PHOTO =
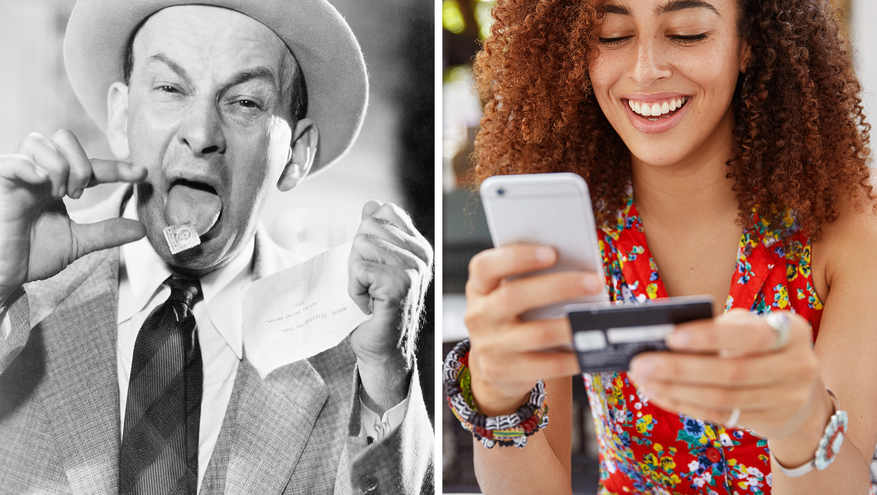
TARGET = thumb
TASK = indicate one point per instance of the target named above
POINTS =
(361, 276)
(106, 234)
(369, 209)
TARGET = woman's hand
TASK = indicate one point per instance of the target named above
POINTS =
(504, 358)
(732, 362)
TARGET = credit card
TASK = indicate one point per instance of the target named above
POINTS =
(607, 336)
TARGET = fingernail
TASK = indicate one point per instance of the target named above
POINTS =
(645, 391)
(544, 254)
(680, 338)
(76, 194)
(62, 191)
(591, 283)
(40, 172)
(642, 367)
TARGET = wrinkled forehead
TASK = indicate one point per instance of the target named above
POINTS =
(213, 38)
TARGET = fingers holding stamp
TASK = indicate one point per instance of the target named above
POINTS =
(79, 166)
(45, 156)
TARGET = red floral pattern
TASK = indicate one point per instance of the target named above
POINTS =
(646, 450)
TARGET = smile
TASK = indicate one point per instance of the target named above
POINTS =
(659, 109)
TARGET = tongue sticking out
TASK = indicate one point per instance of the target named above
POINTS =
(191, 212)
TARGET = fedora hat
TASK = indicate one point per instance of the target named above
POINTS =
(319, 38)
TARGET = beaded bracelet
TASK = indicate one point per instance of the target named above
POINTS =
(506, 430)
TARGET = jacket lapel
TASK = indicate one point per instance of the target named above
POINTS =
(273, 418)
(75, 315)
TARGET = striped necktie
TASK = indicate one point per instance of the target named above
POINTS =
(159, 453)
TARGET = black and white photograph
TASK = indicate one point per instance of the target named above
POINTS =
(216, 246)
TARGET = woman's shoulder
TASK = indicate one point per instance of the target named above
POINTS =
(849, 243)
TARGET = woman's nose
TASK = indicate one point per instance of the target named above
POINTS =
(650, 62)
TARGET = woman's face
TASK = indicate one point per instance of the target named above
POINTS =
(665, 75)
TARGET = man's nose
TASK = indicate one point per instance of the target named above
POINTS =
(202, 130)
(651, 62)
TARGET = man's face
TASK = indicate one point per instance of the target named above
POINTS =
(208, 116)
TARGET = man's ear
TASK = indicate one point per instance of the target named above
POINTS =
(117, 120)
(302, 151)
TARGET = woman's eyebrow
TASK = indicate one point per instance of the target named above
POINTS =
(611, 8)
(677, 5)
(672, 6)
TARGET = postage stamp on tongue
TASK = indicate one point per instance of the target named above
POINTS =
(180, 238)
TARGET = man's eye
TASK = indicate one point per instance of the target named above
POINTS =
(165, 88)
(248, 104)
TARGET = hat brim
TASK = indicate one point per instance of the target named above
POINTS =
(318, 36)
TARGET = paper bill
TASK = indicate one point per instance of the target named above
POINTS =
(299, 312)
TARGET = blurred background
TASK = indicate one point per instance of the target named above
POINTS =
(464, 24)
(392, 161)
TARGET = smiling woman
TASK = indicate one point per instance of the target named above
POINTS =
(723, 141)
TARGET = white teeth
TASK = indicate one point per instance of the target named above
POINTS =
(657, 109)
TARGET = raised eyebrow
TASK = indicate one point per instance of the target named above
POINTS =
(677, 5)
(262, 73)
(161, 57)
(255, 73)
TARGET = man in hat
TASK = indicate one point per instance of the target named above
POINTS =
(122, 368)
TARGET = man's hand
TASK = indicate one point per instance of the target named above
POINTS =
(390, 268)
(37, 237)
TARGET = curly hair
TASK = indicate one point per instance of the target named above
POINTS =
(800, 138)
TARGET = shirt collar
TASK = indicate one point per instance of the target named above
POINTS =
(221, 288)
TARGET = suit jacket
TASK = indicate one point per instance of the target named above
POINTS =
(296, 431)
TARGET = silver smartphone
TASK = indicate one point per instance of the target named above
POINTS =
(552, 209)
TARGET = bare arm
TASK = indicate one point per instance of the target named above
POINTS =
(543, 466)
(845, 269)
(505, 363)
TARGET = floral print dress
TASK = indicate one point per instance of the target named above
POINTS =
(646, 450)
